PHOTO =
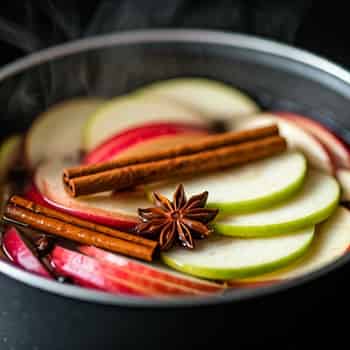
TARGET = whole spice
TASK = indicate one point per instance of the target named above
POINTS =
(177, 221)
(52, 222)
(210, 154)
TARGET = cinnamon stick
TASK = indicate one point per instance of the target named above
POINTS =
(204, 144)
(77, 234)
(142, 173)
(39, 209)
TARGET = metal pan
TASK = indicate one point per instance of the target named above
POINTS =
(39, 314)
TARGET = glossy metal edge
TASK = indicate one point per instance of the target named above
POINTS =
(170, 35)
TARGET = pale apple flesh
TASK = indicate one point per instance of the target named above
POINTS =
(211, 98)
(117, 210)
(126, 112)
(315, 202)
(57, 132)
(20, 254)
(336, 146)
(343, 176)
(223, 258)
(246, 188)
(316, 153)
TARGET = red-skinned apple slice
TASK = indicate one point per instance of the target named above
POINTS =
(128, 111)
(149, 137)
(332, 240)
(116, 210)
(335, 145)
(316, 153)
(154, 272)
(57, 132)
(86, 270)
(20, 254)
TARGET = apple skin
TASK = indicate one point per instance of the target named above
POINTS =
(336, 146)
(319, 196)
(21, 255)
(52, 192)
(297, 138)
(36, 196)
(230, 272)
(331, 242)
(122, 141)
(104, 275)
(188, 285)
(128, 111)
(234, 205)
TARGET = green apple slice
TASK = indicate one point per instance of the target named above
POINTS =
(129, 111)
(9, 150)
(57, 133)
(314, 203)
(332, 240)
(211, 98)
(250, 187)
(225, 258)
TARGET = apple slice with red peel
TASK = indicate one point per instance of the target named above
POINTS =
(143, 139)
(57, 132)
(129, 111)
(88, 272)
(335, 145)
(332, 240)
(107, 208)
(104, 275)
(297, 138)
(20, 254)
(154, 272)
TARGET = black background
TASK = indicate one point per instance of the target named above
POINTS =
(321, 27)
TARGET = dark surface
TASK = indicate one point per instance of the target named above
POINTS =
(296, 319)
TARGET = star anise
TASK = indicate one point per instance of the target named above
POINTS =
(180, 221)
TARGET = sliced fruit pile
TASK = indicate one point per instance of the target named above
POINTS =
(279, 218)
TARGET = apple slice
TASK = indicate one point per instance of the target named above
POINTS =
(315, 152)
(343, 176)
(313, 204)
(57, 132)
(104, 275)
(19, 252)
(250, 187)
(212, 99)
(154, 272)
(141, 139)
(332, 240)
(129, 111)
(117, 210)
(9, 150)
(224, 258)
(335, 145)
